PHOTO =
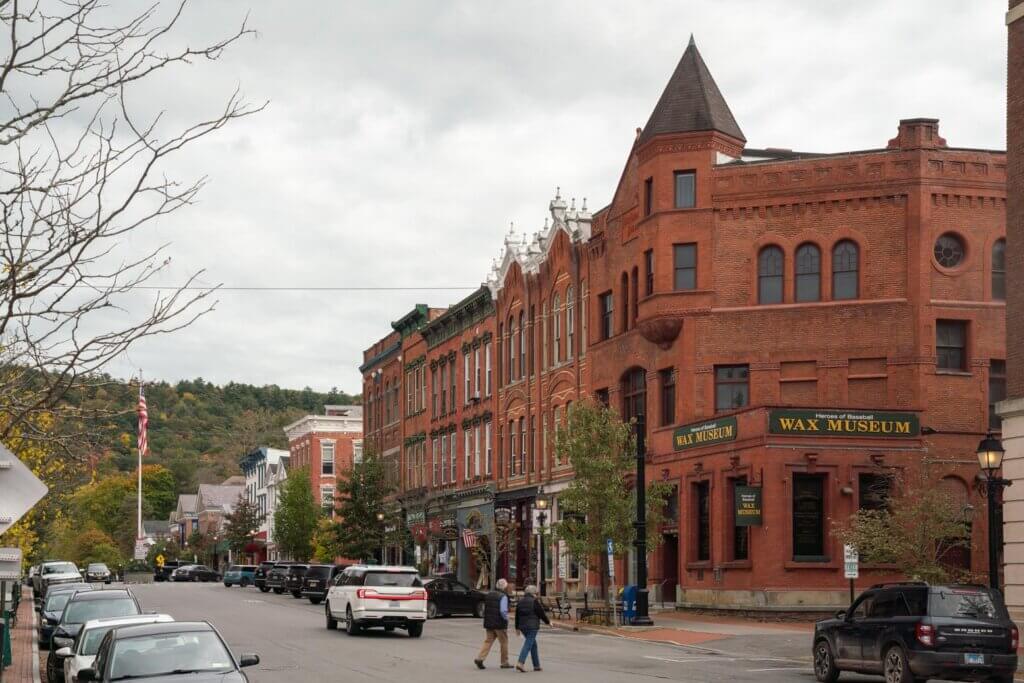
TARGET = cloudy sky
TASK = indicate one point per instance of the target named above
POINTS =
(402, 138)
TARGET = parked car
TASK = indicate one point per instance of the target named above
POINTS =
(447, 597)
(239, 574)
(59, 588)
(911, 631)
(378, 595)
(82, 653)
(55, 572)
(259, 578)
(293, 579)
(83, 606)
(164, 573)
(318, 579)
(277, 576)
(164, 651)
(194, 572)
(97, 571)
(53, 607)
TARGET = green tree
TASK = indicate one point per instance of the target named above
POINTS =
(599, 504)
(242, 524)
(296, 517)
(366, 515)
(326, 544)
(917, 531)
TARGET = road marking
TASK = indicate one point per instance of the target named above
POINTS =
(255, 602)
(780, 668)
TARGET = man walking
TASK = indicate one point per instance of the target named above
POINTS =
(496, 624)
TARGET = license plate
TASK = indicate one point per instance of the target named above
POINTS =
(971, 658)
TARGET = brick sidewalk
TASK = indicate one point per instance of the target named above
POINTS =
(22, 643)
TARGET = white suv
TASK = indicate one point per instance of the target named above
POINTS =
(377, 595)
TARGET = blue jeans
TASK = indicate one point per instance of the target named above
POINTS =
(530, 646)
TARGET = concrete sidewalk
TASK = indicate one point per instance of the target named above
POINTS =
(24, 660)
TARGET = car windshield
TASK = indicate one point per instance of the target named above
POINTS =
(60, 568)
(83, 610)
(400, 579)
(234, 568)
(169, 653)
(55, 603)
(964, 602)
(97, 567)
(91, 639)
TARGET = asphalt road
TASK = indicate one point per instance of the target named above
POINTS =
(294, 645)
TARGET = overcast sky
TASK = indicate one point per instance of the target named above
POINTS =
(401, 138)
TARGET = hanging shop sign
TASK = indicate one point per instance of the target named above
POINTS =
(502, 517)
(844, 423)
(449, 528)
(704, 433)
(748, 505)
(414, 518)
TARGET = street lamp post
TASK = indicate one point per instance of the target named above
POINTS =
(380, 519)
(542, 517)
(642, 617)
(990, 459)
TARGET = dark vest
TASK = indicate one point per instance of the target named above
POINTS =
(492, 611)
(526, 614)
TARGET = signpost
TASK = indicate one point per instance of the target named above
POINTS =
(748, 505)
(10, 570)
(851, 566)
(140, 549)
(611, 574)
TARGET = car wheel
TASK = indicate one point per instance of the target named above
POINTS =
(296, 594)
(52, 672)
(264, 589)
(416, 629)
(278, 591)
(478, 611)
(351, 627)
(431, 610)
(332, 623)
(315, 601)
(895, 666)
(195, 579)
(227, 585)
(824, 664)
(244, 583)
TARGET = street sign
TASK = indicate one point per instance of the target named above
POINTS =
(611, 561)
(20, 490)
(140, 549)
(10, 564)
(851, 562)
(159, 560)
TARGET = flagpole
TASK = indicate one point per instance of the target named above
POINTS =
(139, 501)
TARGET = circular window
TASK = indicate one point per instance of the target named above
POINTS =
(949, 250)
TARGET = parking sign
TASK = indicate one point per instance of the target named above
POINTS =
(851, 562)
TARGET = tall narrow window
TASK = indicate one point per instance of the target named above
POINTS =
(668, 396)
(533, 339)
(512, 353)
(466, 455)
(453, 458)
(732, 387)
(648, 272)
(454, 383)
(512, 448)
(996, 391)
(951, 344)
(467, 376)
(532, 453)
(740, 534)
(544, 337)
(476, 450)
(808, 517)
(845, 266)
(686, 186)
(522, 344)
(770, 267)
(702, 517)
(556, 312)
(423, 387)
(487, 448)
(476, 372)
(684, 265)
(545, 446)
(999, 270)
(487, 366)
(410, 392)
(648, 196)
(584, 303)
(433, 392)
(808, 273)
(444, 388)
(327, 458)
(523, 440)
(624, 294)
(606, 308)
(444, 459)
(557, 424)
(435, 461)
(634, 290)
(570, 324)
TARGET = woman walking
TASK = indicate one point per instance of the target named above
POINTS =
(529, 614)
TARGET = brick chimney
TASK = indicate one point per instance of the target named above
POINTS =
(918, 134)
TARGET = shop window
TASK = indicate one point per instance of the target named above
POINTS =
(684, 265)
(999, 270)
(607, 311)
(702, 518)
(685, 189)
(809, 518)
(873, 491)
(649, 272)
(668, 396)
(808, 273)
(740, 534)
(732, 387)
(951, 344)
(770, 269)
(996, 392)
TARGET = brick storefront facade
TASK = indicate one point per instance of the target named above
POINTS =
(808, 324)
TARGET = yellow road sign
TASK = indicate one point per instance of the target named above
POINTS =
(159, 560)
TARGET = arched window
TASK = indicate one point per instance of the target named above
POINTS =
(544, 336)
(584, 303)
(999, 270)
(522, 344)
(556, 310)
(634, 403)
(808, 273)
(387, 402)
(570, 324)
(770, 267)
(511, 349)
(845, 267)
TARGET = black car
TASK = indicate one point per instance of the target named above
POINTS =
(52, 608)
(82, 607)
(447, 596)
(194, 572)
(97, 571)
(260, 577)
(163, 573)
(318, 579)
(293, 579)
(178, 650)
(911, 631)
(277, 576)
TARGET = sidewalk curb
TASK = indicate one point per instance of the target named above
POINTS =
(36, 677)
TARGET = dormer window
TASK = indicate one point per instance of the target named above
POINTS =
(686, 189)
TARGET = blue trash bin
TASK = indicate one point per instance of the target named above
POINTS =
(628, 604)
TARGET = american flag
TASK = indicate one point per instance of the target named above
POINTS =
(143, 423)
(468, 538)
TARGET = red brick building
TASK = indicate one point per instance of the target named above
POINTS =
(326, 445)
(801, 325)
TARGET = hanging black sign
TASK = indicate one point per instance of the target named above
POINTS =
(748, 505)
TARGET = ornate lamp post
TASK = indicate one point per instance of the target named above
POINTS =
(642, 617)
(542, 517)
(990, 459)
(380, 520)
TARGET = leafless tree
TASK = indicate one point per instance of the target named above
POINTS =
(80, 172)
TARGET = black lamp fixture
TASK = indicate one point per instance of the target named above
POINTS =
(383, 552)
(542, 517)
(990, 460)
